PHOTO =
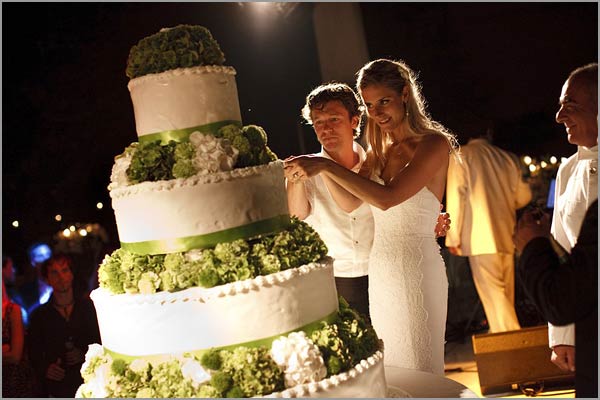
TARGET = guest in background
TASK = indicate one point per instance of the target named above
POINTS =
(61, 330)
(483, 194)
(10, 281)
(576, 182)
(335, 112)
(34, 291)
(565, 293)
(17, 376)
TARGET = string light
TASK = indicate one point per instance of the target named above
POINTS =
(99, 205)
(553, 160)
(543, 164)
(532, 167)
(58, 217)
(527, 160)
(83, 232)
(15, 223)
(66, 233)
(72, 228)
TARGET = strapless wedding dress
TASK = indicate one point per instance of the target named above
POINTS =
(408, 287)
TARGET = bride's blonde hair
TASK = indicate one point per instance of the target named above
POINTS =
(396, 75)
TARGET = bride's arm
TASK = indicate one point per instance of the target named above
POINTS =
(431, 155)
(344, 199)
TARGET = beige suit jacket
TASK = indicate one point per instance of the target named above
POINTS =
(482, 196)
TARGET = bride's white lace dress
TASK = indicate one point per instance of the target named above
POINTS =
(408, 288)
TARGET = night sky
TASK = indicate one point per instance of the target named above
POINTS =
(67, 112)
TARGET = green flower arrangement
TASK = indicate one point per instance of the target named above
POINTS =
(153, 161)
(346, 341)
(182, 46)
(127, 272)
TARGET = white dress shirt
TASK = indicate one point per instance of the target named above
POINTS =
(576, 189)
(348, 236)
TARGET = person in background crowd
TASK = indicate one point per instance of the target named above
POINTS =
(10, 281)
(565, 293)
(483, 194)
(576, 182)
(334, 111)
(61, 330)
(17, 376)
(34, 291)
(403, 179)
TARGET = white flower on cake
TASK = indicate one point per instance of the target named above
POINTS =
(148, 283)
(94, 350)
(300, 359)
(212, 154)
(97, 379)
(139, 365)
(193, 255)
(118, 176)
(191, 369)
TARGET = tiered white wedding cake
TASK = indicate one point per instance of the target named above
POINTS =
(215, 291)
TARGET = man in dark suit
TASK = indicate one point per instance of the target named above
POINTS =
(565, 286)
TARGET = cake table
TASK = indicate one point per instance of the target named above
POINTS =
(403, 382)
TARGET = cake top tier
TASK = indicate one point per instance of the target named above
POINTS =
(182, 46)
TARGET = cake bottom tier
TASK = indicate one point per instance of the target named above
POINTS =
(366, 379)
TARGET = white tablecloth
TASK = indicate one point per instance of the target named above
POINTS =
(404, 382)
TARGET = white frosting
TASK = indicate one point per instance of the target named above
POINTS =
(198, 318)
(184, 98)
(199, 205)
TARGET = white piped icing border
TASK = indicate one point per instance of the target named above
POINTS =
(313, 389)
(158, 186)
(203, 69)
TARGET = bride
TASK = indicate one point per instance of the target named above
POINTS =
(403, 179)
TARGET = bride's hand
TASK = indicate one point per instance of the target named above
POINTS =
(303, 167)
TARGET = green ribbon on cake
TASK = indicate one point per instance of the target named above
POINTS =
(182, 135)
(308, 329)
(187, 243)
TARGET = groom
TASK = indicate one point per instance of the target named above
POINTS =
(335, 113)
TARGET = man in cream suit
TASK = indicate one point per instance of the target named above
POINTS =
(482, 195)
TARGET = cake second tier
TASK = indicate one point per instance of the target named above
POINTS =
(201, 211)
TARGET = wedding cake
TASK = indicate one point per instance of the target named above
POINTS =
(216, 291)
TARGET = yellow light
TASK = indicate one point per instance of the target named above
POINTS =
(83, 232)
(543, 164)
(532, 168)
(58, 217)
(553, 160)
(72, 228)
(15, 223)
(66, 233)
(527, 160)
(99, 205)
(88, 228)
